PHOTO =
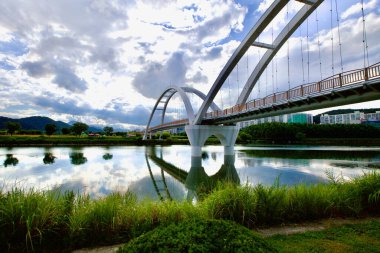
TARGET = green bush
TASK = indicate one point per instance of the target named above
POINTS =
(199, 236)
(294, 131)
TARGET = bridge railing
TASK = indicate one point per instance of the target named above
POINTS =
(373, 71)
(169, 124)
(328, 84)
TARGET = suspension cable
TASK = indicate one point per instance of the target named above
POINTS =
(272, 62)
(221, 98)
(288, 47)
(302, 61)
(340, 44)
(229, 89)
(237, 79)
(365, 45)
(247, 57)
(266, 81)
(332, 37)
(259, 81)
(276, 61)
(319, 45)
(308, 50)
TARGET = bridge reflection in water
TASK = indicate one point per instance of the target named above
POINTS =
(196, 180)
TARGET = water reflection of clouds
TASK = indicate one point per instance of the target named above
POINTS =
(144, 188)
(128, 169)
(267, 175)
(97, 177)
(308, 167)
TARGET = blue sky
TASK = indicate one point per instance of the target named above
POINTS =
(106, 62)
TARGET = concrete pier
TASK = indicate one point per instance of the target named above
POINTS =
(198, 134)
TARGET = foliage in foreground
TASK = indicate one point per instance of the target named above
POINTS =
(262, 206)
(199, 236)
(294, 131)
(41, 221)
(348, 238)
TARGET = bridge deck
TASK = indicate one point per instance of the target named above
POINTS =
(345, 88)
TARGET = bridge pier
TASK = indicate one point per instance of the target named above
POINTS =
(198, 134)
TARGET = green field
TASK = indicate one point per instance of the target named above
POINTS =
(362, 237)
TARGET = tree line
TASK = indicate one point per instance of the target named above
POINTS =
(294, 131)
(77, 129)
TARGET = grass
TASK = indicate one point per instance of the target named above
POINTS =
(261, 206)
(43, 140)
(66, 140)
(44, 221)
(199, 236)
(363, 237)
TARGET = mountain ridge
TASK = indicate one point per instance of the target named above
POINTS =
(39, 122)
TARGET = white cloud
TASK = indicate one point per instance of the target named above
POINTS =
(357, 8)
(97, 57)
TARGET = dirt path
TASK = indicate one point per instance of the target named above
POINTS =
(289, 229)
(107, 249)
(267, 232)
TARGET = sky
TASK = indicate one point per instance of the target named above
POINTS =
(105, 62)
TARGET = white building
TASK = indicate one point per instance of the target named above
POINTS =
(286, 118)
(356, 117)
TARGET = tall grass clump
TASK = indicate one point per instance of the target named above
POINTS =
(101, 220)
(29, 219)
(46, 221)
(265, 205)
(119, 217)
(367, 189)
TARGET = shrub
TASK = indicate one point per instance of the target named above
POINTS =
(199, 236)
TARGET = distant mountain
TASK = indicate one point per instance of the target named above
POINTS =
(316, 118)
(38, 123)
(33, 123)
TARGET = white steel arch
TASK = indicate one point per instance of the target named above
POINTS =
(250, 40)
(168, 94)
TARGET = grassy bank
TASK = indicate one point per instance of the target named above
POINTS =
(363, 237)
(70, 140)
(51, 221)
(320, 142)
(62, 140)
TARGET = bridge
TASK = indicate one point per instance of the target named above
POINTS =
(196, 180)
(347, 87)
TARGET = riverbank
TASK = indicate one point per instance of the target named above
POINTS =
(342, 235)
(322, 142)
(59, 140)
(48, 221)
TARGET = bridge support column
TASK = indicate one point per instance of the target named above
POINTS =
(198, 134)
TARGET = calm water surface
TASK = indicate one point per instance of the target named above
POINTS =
(101, 170)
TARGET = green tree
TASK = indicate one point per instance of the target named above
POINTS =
(12, 127)
(10, 160)
(65, 130)
(50, 129)
(165, 135)
(48, 158)
(108, 130)
(77, 158)
(79, 127)
(244, 137)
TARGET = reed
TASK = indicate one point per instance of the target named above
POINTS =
(40, 221)
(259, 205)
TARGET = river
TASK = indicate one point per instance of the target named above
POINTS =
(149, 173)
